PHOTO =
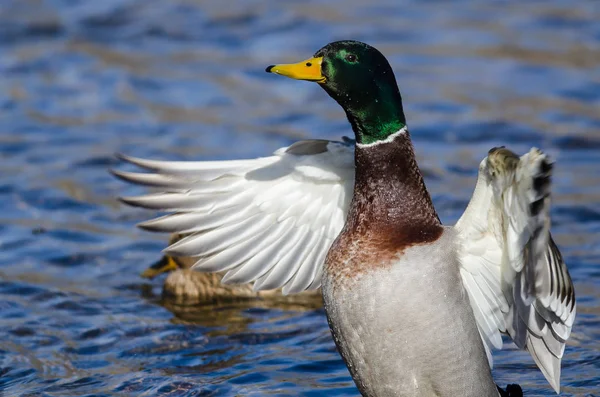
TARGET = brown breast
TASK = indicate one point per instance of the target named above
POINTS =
(391, 210)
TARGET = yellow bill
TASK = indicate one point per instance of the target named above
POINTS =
(309, 70)
(164, 265)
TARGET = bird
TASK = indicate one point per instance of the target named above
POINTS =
(186, 287)
(414, 307)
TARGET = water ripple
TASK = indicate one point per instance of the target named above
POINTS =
(184, 80)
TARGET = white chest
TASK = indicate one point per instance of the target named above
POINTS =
(408, 329)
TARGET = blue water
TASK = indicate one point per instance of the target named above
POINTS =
(183, 79)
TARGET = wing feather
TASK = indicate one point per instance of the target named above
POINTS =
(269, 220)
(234, 255)
(289, 263)
(512, 270)
(213, 241)
(264, 261)
(302, 279)
(205, 170)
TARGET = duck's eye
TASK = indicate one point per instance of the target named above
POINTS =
(351, 58)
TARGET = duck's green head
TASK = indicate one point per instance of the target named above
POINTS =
(361, 80)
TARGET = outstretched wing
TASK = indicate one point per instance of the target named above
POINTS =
(269, 220)
(511, 268)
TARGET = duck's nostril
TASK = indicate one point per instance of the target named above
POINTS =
(308, 64)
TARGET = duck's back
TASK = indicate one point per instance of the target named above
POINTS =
(404, 325)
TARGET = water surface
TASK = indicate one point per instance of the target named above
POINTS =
(184, 79)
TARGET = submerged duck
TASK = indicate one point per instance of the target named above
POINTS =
(414, 307)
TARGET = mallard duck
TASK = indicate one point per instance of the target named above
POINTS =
(184, 286)
(414, 307)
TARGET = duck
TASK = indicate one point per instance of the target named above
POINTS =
(186, 287)
(415, 307)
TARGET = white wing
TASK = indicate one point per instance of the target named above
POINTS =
(270, 220)
(513, 272)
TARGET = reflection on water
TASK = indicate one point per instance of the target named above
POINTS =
(185, 79)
